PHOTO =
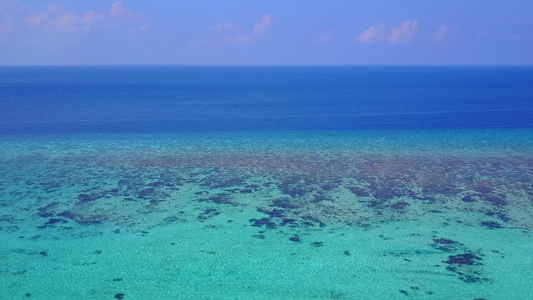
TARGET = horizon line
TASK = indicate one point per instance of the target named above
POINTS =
(266, 65)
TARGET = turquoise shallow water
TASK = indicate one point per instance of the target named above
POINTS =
(370, 214)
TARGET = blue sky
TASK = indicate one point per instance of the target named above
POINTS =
(275, 32)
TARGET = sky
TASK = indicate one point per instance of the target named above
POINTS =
(274, 32)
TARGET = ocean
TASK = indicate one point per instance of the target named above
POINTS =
(311, 182)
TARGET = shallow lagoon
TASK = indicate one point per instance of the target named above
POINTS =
(440, 214)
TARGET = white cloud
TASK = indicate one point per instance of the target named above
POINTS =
(263, 25)
(67, 22)
(405, 33)
(56, 18)
(379, 33)
(441, 32)
(11, 14)
(118, 9)
(91, 16)
(373, 34)
(54, 8)
(36, 20)
(231, 34)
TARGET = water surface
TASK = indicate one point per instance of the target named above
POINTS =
(266, 183)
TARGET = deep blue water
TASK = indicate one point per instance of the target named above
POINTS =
(164, 99)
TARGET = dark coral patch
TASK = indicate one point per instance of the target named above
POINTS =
(295, 186)
(468, 199)
(120, 296)
(468, 259)
(45, 211)
(146, 193)
(90, 220)
(45, 214)
(385, 193)
(358, 191)
(470, 278)
(463, 266)
(317, 244)
(310, 221)
(500, 215)
(67, 214)
(491, 225)
(218, 199)
(84, 198)
(400, 205)
(495, 200)
(207, 214)
(275, 213)
(295, 239)
(53, 221)
(290, 222)
(446, 245)
(444, 241)
(263, 221)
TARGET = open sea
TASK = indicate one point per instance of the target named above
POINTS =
(158, 182)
